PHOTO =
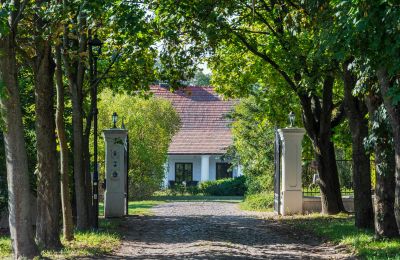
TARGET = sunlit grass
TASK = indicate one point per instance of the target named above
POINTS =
(137, 207)
(341, 230)
(5, 246)
(90, 243)
(86, 243)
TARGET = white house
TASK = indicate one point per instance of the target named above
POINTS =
(195, 153)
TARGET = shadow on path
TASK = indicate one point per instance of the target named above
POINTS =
(211, 230)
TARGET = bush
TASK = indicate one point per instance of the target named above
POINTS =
(142, 186)
(260, 201)
(224, 187)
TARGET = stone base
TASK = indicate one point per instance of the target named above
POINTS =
(292, 202)
(313, 204)
(114, 204)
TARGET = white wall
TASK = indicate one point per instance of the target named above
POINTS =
(196, 160)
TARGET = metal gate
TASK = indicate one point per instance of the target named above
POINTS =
(277, 172)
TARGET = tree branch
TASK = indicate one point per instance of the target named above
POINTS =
(266, 58)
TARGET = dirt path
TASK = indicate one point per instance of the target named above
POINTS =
(214, 230)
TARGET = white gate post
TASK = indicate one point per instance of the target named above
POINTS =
(292, 195)
(114, 196)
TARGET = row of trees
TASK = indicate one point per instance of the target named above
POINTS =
(47, 81)
(339, 59)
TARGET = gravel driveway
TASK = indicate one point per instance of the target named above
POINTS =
(215, 230)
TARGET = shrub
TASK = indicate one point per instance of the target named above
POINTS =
(224, 187)
(260, 201)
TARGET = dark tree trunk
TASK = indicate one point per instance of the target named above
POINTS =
(19, 197)
(48, 181)
(318, 122)
(394, 118)
(80, 190)
(68, 225)
(331, 197)
(385, 221)
(87, 174)
(356, 112)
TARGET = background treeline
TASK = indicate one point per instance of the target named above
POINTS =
(334, 62)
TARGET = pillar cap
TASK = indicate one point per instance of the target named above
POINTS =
(291, 131)
(115, 132)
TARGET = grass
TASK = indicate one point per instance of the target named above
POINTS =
(258, 202)
(341, 230)
(87, 243)
(5, 246)
(90, 243)
(136, 207)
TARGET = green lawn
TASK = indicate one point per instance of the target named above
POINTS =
(341, 230)
(137, 207)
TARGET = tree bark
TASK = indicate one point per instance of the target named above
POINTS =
(19, 197)
(318, 122)
(385, 221)
(68, 225)
(75, 70)
(48, 199)
(356, 112)
(394, 118)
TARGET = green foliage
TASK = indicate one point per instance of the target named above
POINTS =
(258, 202)
(200, 79)
(179, 188)
(341, 230)
(253, 135)
(151, 123)
(5, 246)
(224, 187)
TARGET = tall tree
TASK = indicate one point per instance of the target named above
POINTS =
(68, 225)
(356, 112)
(370, 29)
(19, 202)
(381, 141)
(48, 182)
(75, 70)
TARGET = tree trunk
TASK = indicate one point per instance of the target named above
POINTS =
(394, 118)
(80, 191)
(48, 199)
(75, 70)
(19, 197)
(356, 110)
(331, 197)
(318, 122)
(385, 221)
(68, 225)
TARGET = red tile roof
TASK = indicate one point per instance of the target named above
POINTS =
(204, 126)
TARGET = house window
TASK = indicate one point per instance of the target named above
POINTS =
(223, 171)
(183, 172)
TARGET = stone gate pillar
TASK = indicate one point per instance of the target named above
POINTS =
(292, 195)
(115, 196)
